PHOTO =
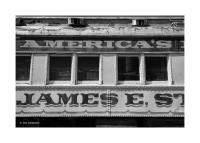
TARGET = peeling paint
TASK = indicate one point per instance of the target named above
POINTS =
(117, 30)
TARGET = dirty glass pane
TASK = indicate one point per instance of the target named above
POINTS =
(60, 68)
(88, 68)
(23, 64)
(128, 68)
(156, 68)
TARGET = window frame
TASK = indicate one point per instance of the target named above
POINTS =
(88, 82)
(30, 72)
(128, 81)
(66, 82)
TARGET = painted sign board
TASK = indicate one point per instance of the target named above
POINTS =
(96, 102)
(101, 45)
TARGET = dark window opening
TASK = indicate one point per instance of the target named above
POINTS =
(142, 22)
(88, 68)
(78, 22)
(20, 22)
(46, 21)
(156, 68)
(60, 68)
(23, 64)
(128, 68)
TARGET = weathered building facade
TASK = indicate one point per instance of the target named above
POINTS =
(123, 68)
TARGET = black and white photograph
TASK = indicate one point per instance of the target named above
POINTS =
(100, 71)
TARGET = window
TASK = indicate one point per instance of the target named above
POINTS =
(156, 68)
(23, 64)
(144, 69)
(88, 68)
(60, 68)
(128, 68)
(139, 22)
(77, 22)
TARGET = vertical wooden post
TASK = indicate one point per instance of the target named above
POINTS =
(142, 70)
(169, 70)
(100, 69)
(116, 69)
(31, 70)
(74, 69)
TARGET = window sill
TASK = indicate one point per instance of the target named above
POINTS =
(88, 82)
(129, 82)
(23, 82)
(59, 83)
(157, 82)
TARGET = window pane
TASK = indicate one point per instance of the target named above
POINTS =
(128, 68)
(60, 68)
(156, 68)
(88, 68)
(23, 67)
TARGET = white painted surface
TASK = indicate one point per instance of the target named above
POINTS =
(178, 69)
(109, 69)
(39, 69)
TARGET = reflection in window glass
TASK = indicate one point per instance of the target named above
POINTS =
(88, 68)
(156, 68)
(128, 68)
(60, 68)
(23, 68)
